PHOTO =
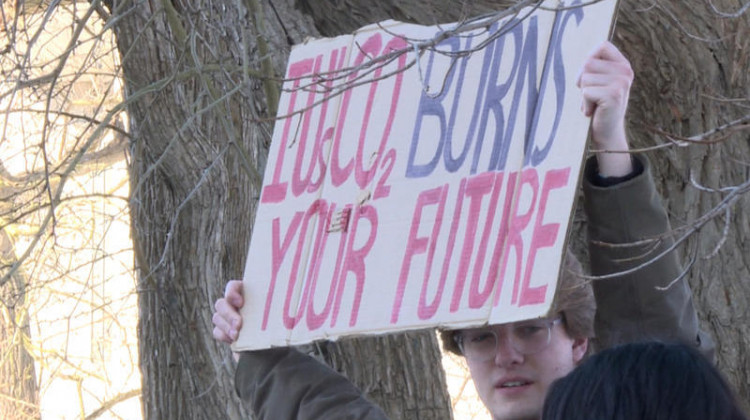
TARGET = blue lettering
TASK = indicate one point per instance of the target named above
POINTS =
(537, 156)
(452, 164)
(497, 92)
(429, 106)
(488, 111)
(525, 66)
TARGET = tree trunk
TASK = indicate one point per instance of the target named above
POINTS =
(19, 393)
(687, 58)
(196, 148)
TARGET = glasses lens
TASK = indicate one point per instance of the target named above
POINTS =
(526, 337)
(478, 344)
(532, 336)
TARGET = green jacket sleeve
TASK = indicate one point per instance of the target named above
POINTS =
(655, 301)
(284, 384)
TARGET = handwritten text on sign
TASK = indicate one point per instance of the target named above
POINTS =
(423, 194)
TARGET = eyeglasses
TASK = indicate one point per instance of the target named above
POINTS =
(527, 337)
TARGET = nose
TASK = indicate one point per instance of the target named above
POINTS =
(505, 354)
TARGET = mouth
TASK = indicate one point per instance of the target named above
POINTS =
(511, 384)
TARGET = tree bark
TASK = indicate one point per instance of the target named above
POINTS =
(686, 58)
(19, 392)
(196, 145)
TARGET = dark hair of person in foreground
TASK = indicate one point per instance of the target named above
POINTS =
(643, 381)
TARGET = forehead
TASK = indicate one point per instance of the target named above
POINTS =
(499, 327)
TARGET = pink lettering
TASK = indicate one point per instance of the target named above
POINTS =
(317, 159)
(417, 245)
(452, 237)
(364, 176)
(315, 320)
(502, 237)
(339, 174)
(383, 190)
(319, 208)
(275, 192)
(478, 298)
(518, 223)
(277, 255)
(544, 236)
(424, 310)
(355, 261)
(298, 184)
(477, 188)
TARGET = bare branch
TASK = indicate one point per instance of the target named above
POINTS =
(735, 193)
(110, 403)
(733, 15)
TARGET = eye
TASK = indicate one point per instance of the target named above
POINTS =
(528, 330)
(480, 337)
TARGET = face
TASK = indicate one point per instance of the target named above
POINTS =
(513, 385)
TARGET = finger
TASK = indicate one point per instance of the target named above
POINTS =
(599, 66)
(219, 335)
(233, 293)
(236, 300)
(594, 79)
(619, 84)
(588, 107)
(606, 95)
(233, 287)
(221, 323)
(223, 326)
(607, 51)
(606, 59)
(229, 312)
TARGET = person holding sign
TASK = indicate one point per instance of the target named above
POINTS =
(514, 364)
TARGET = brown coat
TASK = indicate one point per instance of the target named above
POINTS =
(653, 302)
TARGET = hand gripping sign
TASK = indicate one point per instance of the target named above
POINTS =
(421, 176)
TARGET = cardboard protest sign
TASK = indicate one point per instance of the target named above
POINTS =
(415, 183)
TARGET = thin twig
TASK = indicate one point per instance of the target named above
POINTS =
(736, 14)
(729, 200)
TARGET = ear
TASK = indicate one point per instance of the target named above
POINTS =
(580, 346)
